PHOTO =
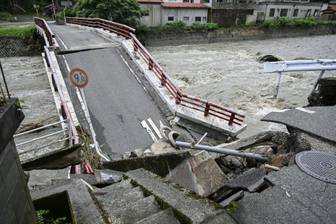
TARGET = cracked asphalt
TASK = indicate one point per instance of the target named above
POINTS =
(116, 101)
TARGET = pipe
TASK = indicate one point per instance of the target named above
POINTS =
(38, 129)
(222, 151)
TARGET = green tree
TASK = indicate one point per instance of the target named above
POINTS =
(123, 11)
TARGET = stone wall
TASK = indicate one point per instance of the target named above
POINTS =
(201, 37)
(14, 47)
(16, 203)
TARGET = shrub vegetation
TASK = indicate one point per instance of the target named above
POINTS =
(285, 22)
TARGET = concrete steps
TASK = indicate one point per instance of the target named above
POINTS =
(123, 203)
(81, 204)
(141, 198)
(133, 212)
(163, 217)
(114, 202)
(189, 207)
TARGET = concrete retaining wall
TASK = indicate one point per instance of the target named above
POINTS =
(16, 203)
(201, 37)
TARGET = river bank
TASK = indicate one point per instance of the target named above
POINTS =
(232, 34)
(19, 40)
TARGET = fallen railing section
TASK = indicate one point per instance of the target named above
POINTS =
(196, 104)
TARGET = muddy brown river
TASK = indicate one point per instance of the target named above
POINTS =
(229, 73)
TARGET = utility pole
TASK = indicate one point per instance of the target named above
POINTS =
(54, 8)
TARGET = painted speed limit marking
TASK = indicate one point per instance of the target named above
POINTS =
(78, 77)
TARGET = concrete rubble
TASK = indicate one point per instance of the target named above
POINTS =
(200, 173)
(165, 184)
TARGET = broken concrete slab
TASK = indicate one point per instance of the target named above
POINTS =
(162, 147)
(38, 178)
(234, 197)
(267, 137)
(289, 200)
(57, 159)
(318, 121)
(250, 180)
(106, 177)
(89, 178)
(159, 164)
(200, 174)
(317, 143)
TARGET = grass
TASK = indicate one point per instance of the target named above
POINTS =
(44, 217)
(21, 32)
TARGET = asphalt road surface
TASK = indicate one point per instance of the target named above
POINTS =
(116, 101)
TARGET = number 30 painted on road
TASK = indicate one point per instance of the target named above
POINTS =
(78, 77)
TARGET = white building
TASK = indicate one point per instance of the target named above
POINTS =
(271, 9)
(161, 12)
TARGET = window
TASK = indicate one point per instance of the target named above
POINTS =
(316, 12)
(171, 19)
(198, 19)
(186, 19)
(308, 13)
(271, 12)
(204, 19)
(283, 12)
(145, 12)
(296, 12)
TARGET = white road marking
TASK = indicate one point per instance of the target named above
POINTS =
(62, 42)
(136, 77)
(305, 110)
(66, 63)
(156, 130)
(149, 131)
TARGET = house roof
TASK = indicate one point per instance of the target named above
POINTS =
(331, 9)
(183, 5)
(150, 1)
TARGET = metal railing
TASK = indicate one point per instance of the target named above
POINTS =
(181, 98)
(51, 40)
(114, 27)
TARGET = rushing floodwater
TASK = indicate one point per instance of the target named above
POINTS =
(229, 73)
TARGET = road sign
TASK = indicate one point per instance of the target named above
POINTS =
(78, 77)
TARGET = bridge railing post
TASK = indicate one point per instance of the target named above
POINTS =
(232, 117)
(150, 64)
(178, 98)
(163, 79)
(207, 109)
